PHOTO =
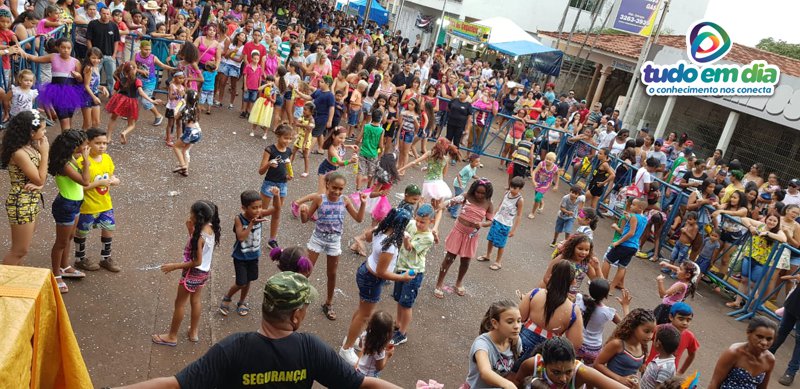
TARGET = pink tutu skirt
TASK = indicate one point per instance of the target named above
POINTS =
(462, 241)
(436, 190)
(377, 207)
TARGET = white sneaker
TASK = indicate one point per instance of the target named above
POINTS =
(349, 355)
(264, 137)
(252, 134)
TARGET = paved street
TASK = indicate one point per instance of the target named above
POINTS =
(114, 315)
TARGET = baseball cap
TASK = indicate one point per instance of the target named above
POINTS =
(611, 123)
(660, 141)
(688, 143)
(286, 291)
(795, 182)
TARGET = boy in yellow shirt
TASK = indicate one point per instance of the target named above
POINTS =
(97, 210)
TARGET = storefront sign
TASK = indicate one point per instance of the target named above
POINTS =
(706, 43)
(469, 31)
(636, 16)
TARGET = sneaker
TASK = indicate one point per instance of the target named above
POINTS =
(655, 259)
(273, 243)
(158, 121)
(642, 255)
(109, 265)
(349, 355)
(264, 137)
(243, 115)
(217, 104)
(398, 338)
(230, 106)
(87, 264)
(252, 133)
(553, 244)
(786, 379)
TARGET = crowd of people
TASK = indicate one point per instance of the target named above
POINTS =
(314, 81)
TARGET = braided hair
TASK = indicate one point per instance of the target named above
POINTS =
(62, 149)
(396, 220)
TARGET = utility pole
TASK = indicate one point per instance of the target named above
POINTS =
(591, 48)
(397, 16)
(628, 104)
(439, 29)
(561, 24)
(367, 9)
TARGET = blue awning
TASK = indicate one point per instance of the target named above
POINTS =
(377, 13)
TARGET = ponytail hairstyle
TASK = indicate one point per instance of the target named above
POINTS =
(387, 169)
(484, 182)
(591, 215)
(281, 80)
(204, 212)
(329, 140)
(693, 270)
(376, 82)
(598, 291)
(62, 149)
(556, 349)
(397, 220)
(493, 314)
(294, 259)
(561, 278)
(440, 148)
(126, 75)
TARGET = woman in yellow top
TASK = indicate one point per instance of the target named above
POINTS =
(24, 152)
(756, 253)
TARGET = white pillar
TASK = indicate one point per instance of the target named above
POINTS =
(727, 131)
(664, 119)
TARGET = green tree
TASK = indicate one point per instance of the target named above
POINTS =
(791, 50)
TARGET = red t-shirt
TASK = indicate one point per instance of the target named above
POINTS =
(249, 47)
(535, 114)
(584, 114)
(6, 36)
(688, 342)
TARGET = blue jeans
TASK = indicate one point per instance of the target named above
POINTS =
(108, 66)
(788, 322)
(453, 209)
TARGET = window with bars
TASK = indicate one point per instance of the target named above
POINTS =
(584, 5)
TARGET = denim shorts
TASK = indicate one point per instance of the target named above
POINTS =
(250, 95)
(326, 167)
(620, 256)
(105, 220)
(230, 70)
(498, 234)
(753, 270)
(328, 244)
(65, 211)
(187, 137)
(407, 136)
(206, 97)
(352, 117)
(148, 90)
(680, 253)
(369, 286)
(269, 184)
(405, 293)
(564, 224)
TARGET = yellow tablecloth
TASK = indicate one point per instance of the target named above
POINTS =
(37, 346)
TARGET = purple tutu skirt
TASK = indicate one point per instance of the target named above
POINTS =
(64, 95)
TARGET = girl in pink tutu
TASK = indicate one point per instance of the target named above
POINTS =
(434, 189)
(64, 94)
(463, 238)
(124, 102)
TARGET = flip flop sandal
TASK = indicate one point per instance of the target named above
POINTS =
(327, 309)
(495, 266)
(438, 293)
(161, 342)
(295, 210)
(75, 273)
(482, 258)
(224, 307)
(184, 172)
(461, 291)
(178, 169)
(193, 339)
(62, 286)
(242, 309)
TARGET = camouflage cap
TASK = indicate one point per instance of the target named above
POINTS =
(288, 290)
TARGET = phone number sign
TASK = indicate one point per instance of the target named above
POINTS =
(636, 16)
